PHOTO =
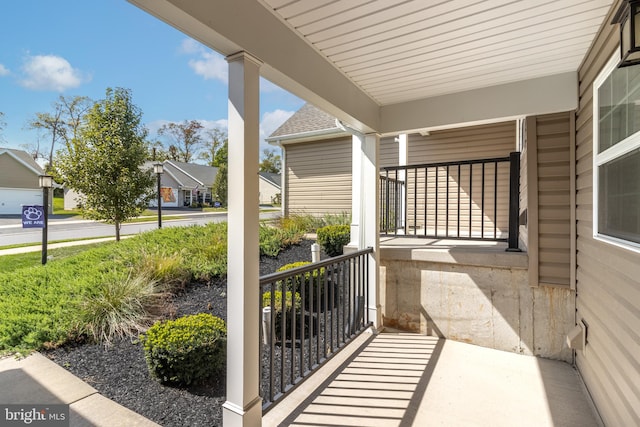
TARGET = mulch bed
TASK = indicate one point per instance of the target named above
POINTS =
(119, 371)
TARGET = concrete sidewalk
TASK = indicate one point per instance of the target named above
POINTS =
(39, 381)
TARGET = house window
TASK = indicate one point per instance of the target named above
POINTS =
(616, 160)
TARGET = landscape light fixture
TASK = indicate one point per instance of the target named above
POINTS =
(46, 182)
(158, 168)
(628, 16)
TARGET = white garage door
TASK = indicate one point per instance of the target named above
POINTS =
(12, 199)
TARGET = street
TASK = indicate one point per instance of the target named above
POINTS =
(12, 233)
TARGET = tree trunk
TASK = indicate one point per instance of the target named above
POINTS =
(117, 231)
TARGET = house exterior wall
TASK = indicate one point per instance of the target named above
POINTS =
(318, 175)
(268, 191)
(15, 174)
(608, 277)
(549, 202)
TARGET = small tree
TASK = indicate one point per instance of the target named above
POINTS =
(220, 185)
(104, 163)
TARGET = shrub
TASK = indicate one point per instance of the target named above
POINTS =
(274, 239)
(333, 238)
(311, 281)
(121, 307)
(277, 309)
(187, 350)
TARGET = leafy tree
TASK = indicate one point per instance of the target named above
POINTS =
(271, 161)
(62, 124)
(222, 155)
(214, 141)
(104, 162)
(186, 139)
(220, 187)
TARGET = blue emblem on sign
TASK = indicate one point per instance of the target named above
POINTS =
(32, 217)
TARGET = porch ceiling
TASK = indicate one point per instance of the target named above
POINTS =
(390, 65)
(398, 51)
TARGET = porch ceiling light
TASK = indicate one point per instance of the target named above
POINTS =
(628, 16)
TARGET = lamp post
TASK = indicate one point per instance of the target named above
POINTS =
(158, 168)
(46, 182)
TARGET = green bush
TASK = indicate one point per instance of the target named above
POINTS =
(333, 238)
(187, 350)
(274, 239)
(277, 300)
(277, 309)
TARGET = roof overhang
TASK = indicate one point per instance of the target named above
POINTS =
(390, 67)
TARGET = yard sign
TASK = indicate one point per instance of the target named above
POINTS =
(32, 216)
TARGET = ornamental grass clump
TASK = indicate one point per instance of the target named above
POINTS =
(121, 307)
(188, 350)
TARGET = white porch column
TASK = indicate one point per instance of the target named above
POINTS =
(356, 184)
(368, 214)
(243, 407)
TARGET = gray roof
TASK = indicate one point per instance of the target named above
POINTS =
(203, 174)
(25, 158)
(273, 178)
(307, 119)
(189, 175)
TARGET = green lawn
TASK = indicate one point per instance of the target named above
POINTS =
(47, 305)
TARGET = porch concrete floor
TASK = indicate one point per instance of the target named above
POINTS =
(402, 379)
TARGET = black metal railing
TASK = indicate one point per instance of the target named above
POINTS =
(468, 199)
(309, 314)
(392, 193)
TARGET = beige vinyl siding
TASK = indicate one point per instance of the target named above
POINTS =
(608, 277)
(550, 236)
(318, 177)
(464, 184)
(318, 174)
(389, 153)
(15, 174)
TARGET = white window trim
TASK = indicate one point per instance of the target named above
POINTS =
(631, 143)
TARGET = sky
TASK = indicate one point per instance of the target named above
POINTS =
(79, 47)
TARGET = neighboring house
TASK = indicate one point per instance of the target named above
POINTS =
(317, 165)
(270, 188)
(182, 184)
(19, 183)
(418, 72)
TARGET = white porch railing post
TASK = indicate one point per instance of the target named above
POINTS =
(243, 407)
(403, 160)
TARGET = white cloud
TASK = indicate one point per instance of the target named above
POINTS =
(4, 71)
(206, 124)
(190, 47)
(50, 72)
(204, 62)
(270, 122)
(211, 66)
(221, 124)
